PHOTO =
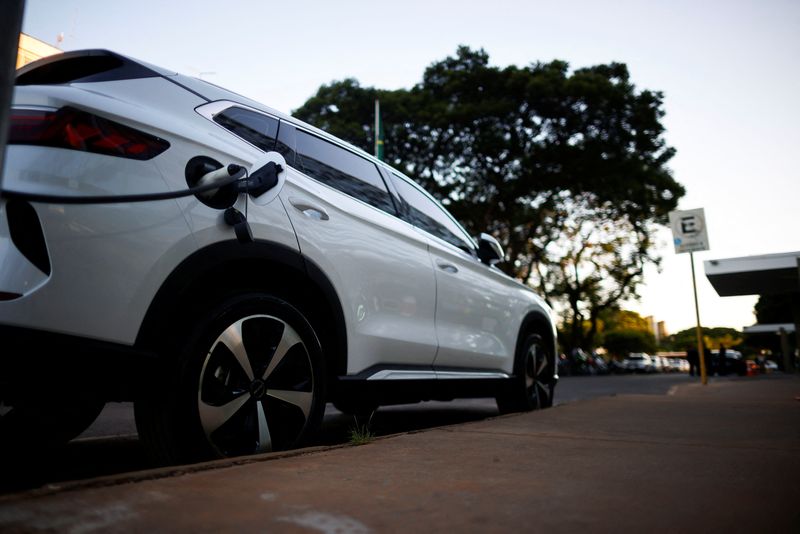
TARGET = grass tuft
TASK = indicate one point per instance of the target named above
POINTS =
(361, 434)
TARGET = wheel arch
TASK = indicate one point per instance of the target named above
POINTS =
(225, 268)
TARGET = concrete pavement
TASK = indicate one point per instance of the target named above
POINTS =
(721, 458)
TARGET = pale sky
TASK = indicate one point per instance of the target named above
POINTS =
(728, 70)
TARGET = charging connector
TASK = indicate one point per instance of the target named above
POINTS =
(215, 176)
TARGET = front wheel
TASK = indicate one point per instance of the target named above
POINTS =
(250, 380)
(532, 386)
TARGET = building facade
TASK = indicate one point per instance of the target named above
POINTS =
(30, 49)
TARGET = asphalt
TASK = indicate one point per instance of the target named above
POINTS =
(719, 458)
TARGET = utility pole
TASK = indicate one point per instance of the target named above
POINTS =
(10, 27)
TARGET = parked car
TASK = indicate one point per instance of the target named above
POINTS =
(751, 368)
(770, 366)
(229, 269)
(680, 365)
(639, 362)
(599, 365)
(617, 366)
(730, 364)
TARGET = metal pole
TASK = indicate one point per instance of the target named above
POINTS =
(377, 128)
(10, 26)
(700, 347)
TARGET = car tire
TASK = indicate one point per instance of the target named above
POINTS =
(35, 425)
(250, 379)
(532, 385)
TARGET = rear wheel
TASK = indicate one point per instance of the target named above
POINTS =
(250, 380)
(533, 385)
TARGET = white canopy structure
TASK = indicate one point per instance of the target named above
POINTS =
(768, 274)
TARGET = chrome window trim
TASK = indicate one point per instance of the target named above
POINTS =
(216, 107)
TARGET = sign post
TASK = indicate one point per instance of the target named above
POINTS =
(10, 24)
(689, 233)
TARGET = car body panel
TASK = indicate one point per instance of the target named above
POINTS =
(380, 268)
(478, 313)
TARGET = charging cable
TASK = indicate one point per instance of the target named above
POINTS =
(263, 179)
(205, 187)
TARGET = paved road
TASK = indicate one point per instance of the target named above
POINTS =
(117, 418)
(111, 445)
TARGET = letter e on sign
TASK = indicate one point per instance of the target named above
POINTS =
(689, 232)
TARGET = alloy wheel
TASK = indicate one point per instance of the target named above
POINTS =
(256, 387)
(537, 376)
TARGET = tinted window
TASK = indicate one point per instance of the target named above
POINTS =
(343, 170)
(253, 127)
(286, 142)
(424, 213)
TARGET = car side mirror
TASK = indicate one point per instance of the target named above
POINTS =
(489, 250)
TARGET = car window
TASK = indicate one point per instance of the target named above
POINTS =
(255, 128)
(423, 212)
(342, 170)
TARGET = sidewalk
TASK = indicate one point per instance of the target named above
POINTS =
(721, 458)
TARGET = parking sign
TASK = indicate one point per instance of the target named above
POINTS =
(689, 232)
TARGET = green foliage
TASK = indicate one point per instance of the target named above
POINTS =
(361, 434)
(775, 308)
(622, 342)
(712, 337)
(624, 331)
(568, 169)
(624, 320)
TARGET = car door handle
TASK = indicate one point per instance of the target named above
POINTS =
(447, 267)
(308, 209)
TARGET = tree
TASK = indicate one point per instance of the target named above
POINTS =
(712, 338)
(624, 331)
(622, 342)
(568, 169)
(775, 308)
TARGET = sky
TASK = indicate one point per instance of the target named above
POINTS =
(728, 70)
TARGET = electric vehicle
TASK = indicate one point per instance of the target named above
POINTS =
(231, 269)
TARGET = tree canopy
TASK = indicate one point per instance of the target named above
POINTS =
(567, 168)
(775, 308)
(712, 338)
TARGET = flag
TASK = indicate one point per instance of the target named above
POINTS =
(378, 131)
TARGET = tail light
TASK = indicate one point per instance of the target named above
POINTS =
(78, 130)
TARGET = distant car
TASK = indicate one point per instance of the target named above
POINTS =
(770, 366)
(683, 365)
(730, 364)
(657, 364)
(599, 365)
(616, 366)
(639, 362)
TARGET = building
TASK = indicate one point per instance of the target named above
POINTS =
(658, 328)
(661, 329)
(767, 274)
(30, 49)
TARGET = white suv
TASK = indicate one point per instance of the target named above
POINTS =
(230, 269)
